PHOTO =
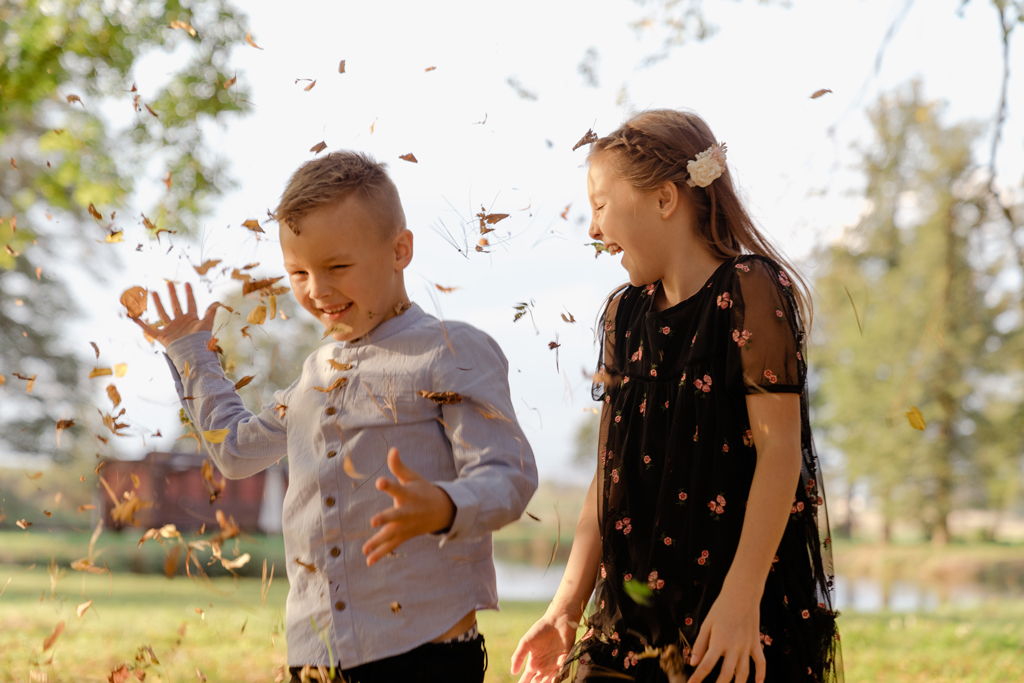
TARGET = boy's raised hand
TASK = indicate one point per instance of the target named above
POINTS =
(420, 507)
(183, 323)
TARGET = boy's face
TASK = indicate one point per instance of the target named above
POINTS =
(346, 266)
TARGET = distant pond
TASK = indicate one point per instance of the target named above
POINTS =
(518, 581)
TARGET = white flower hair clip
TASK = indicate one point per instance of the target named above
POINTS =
(707, 167)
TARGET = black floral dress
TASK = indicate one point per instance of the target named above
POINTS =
(676, 464)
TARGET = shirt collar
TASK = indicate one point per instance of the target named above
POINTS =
(389, 327)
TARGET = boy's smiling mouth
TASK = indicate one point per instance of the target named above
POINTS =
(333, 313)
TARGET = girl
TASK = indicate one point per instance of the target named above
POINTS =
(705, 528)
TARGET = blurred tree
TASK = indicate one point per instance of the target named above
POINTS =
(80, 138)
(917, 310)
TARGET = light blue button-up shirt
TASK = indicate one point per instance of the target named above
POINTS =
(474, 449)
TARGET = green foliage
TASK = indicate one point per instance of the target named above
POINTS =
(68, 76)
(912, 311)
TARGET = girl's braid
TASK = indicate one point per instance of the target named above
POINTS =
(639, 145)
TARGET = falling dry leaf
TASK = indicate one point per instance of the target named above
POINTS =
(350, 469)
(30, 381)
(336, 384)
(337, 328)
(212, 345)
(100, 372)
(184, 26)
(441, 398)
(95, 348)
(339, 366)
(568, 318)
(248, 39)
(258, 315)
(213, 486)
(916, 418)
(446, 290)
(23, 523)
(553, 345)
(396, 607)
(243, 382)
(94, 212)
(565, 212)
(206, 265)
(256, 285)
(271, 307)
(86, 506)
(52, 638)
(32, 476)
(61, 426)
(409, 157)
(239, 561)
(216, 435)
(252, 224)
(134, 299)
(113, 395)
(341, 66)
(120, 369)
(587, 138)
(311, 568)
(818, 93)
(74, 98)
(114, 237)
(230, 82)
(320, 146)
(83, 608)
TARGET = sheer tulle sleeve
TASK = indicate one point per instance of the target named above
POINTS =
(767, 332)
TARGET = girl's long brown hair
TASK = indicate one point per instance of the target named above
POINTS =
(654, 146)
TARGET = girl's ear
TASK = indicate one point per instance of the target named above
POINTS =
(668, 198)
(403, 249)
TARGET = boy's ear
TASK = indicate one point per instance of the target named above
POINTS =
(403, 249)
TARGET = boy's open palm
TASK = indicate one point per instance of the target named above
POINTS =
(183, 323)
(420, 507)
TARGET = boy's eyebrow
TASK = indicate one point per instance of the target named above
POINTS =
(336, 257)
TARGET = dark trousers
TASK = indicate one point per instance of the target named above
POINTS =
(429, 663)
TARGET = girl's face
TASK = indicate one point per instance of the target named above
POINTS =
(627, 221)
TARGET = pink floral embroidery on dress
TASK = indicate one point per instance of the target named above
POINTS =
(744, 267)
(638, 354)
(741, 338)
(643, 406)
(682, 496)
(703, 384)
(624, 526)
(724, 300)
(779, 313)
(748, 438)
(647, 460)
(668, 540)
(717, 505)
(783, 280)
(770, 376)
(666, 330)
(653, 582)
(650, 289)
(703, 559)
(615, 475)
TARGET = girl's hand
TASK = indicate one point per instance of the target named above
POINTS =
(731, 632)
(546, 645)
(182, 324)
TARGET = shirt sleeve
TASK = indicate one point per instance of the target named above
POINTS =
(253, 441)
(766, 333)
(496, 474)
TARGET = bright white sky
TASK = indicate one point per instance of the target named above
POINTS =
(791, 155)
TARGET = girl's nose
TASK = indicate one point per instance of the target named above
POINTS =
(595, 232)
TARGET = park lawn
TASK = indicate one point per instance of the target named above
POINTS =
(239, 637)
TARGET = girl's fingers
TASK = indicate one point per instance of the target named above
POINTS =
(707, 663)
(743, 670)
(759, 665)
(700, 646)
(728, 669)
(175, 304)
(191, 301)
(166, 319)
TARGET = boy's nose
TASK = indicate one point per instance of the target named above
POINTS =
(318, 287)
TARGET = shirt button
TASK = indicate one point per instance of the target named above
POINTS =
(331, 454)
(331, 410)
(335, 551)
(329, 501)
(340, 605)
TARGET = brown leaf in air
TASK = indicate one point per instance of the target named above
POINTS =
(565, 212)
(113, 395)
(184, 26)
(256, 285)
(120, 369)
(52, 638)
(83, 608)
(134, 299)
(339, 366)
(587, 138)
(396, 607)
(74, 98)
(248, 39)
(94, 212)
(818, 93)
(32, 476)
(61, 426)
(230, 82)
(341, 66)
(95, 348)
(409, 157)
(100, 372)
(206, 265)
(318, 147)
(446, 290)
(252, 224)
(553, 345)
(257, 316)
(114, 237)
(23, 524)
(441, 398)
(213, 486)
(311, 568)
(243, 382)
(29, 380)
(350, 469)
(568, 318)
(430, 68)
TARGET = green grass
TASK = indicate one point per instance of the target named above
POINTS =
(238, 637)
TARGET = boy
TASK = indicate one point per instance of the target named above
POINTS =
(385, 587)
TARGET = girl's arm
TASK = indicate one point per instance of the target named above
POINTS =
(548, 641)
(732, 628)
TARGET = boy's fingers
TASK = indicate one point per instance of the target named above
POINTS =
(145, 327)
(190, 298)
(399, 468)
(166, 319)
(175, 304)
(211, 313)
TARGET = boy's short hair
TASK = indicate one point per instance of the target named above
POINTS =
(334, 177)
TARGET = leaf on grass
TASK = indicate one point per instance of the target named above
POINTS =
(410, 157)
(206, 265)
(134, 300)
(587, 138)
(83, 608)
(216, 435)
(818, 93)
(250, 41)
(916, 418)
(350, 468)
(336, 384)
(441, 398)
(52, 638)
(638, 591)
(252, 224)
(320, 146)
